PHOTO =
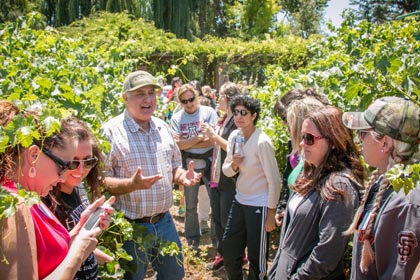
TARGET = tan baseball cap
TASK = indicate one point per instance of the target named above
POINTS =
(138, 79)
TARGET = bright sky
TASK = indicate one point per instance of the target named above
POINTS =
(333, 11)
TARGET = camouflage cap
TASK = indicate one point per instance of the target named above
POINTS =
(393, 116)
(138, 79)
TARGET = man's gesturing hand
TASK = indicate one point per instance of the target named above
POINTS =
(141, 182)
(190, 178)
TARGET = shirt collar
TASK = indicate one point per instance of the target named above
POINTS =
(133, 126)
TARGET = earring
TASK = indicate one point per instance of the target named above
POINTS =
(32, 172)
(382, 151)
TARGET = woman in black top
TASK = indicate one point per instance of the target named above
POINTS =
(69, 198)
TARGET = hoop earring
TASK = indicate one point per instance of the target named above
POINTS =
(32, 172)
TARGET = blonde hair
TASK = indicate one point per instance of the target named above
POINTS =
(186, 88)
(402, 152)
(296, 114)
(206, 90)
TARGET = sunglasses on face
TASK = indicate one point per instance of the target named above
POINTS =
(243, 112)
(362, 134)
(63, 165)
(309, 139)
(189, 100)
(88, 162)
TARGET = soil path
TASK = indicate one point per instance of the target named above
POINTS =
(195, 266)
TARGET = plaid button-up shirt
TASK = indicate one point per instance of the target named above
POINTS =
(155, 151)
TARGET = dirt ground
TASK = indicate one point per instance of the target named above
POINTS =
(195, 267)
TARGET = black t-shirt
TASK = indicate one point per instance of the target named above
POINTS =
(68, 212)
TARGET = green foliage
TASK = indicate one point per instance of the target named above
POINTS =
(12, 9)
(8, 203)
(161, 52)
(304, 16)
(47, 71)
(111, 242)
(359, 64)
(79, 70)
(354, 67)
(405, 177)
(380, 11)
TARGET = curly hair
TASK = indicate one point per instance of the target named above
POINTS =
(251, 104)
(342, 154)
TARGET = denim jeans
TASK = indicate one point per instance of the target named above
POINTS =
(167, 267)
(192, 223)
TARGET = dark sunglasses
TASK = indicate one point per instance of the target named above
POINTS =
(64, 166)
(309, 139)
(243, 112)
(189, 100)
(363, 133)
(87, 163)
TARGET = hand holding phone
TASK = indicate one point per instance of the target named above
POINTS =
(94, 219)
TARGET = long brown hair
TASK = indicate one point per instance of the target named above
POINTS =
(84, 133)
(342, 154)
(54, 199)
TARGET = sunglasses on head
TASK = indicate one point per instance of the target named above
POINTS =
(64, 165)
(189, 100)
(309, 139)
(243, 112)
(88, 162)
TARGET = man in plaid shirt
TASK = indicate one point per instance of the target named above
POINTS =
(143, 163)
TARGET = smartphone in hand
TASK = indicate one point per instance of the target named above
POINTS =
(94, 219)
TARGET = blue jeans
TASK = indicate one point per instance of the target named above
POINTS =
(167, 267)
(192, 223)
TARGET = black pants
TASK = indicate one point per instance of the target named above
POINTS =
(245, 228)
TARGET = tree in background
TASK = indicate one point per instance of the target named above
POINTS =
(258, 17)
(246, 19)
(10, 10)
(305, 16)
(379, 11)
(174, 16)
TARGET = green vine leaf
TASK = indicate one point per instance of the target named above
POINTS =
(404, 177)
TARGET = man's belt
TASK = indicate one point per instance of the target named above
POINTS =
(148, 220)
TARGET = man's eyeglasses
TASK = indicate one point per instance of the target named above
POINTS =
(189, 100)
(88, 162)
(243, 112)
(64, 166)
(309, 139)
